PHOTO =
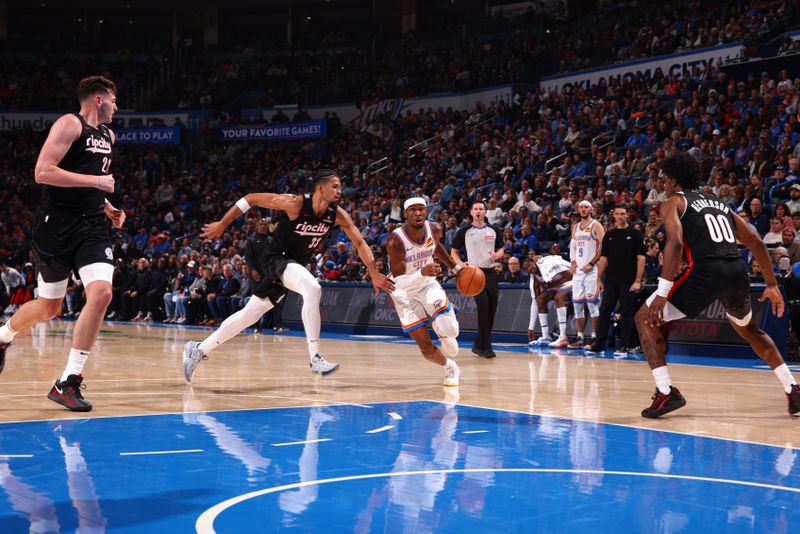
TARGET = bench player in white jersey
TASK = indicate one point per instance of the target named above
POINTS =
(551, 280)
(584, 251)
(418, 296)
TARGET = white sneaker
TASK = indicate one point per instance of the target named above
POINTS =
(148, 318)
(191, 357)
(321, 366)
(560, 342)
(451, 376)
(138, 318)
(541, 342)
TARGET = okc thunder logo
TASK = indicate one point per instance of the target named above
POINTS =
(429, 242)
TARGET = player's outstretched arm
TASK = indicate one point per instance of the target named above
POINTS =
(379, 280)
(47, 172)
(291, 204)
(749, 238)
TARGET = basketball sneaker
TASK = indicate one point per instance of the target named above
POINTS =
(577, 344)
(3, 348)
(191, 357)
(68, 394)
(451, 375)
(321, 366)
(621, 351)
(594, 348)
(541, 342)
(663, 404)
(794, 399)
(560, 342)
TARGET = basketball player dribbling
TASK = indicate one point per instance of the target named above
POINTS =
(69, 233)
(705, 230)
(418, 295)
(310, 218)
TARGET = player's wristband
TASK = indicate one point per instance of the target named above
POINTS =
(664, 287)
(457, 268)
(243, 205)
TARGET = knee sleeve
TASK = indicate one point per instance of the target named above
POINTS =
(446, 325)
(594, 309)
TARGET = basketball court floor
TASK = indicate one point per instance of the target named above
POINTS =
(548, 441)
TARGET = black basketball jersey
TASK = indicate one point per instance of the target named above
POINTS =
(299, 238)
(708, 228)
(90, 153)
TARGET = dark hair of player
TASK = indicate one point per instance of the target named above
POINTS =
(91, 85)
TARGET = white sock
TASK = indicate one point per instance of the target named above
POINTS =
(580, 336)
(785, 376)
(562, 321)
(7, 333)
(544, 323)
(252, 312)
(75, 363)
(663, 380)
(313, 348)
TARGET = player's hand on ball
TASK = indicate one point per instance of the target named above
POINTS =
(432, 269)
(213, 230)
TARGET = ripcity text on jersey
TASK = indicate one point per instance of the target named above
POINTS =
(299, 238)
(91, 153)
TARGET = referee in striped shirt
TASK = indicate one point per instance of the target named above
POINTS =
(484, 244)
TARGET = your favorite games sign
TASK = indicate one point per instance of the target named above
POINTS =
(274, 132)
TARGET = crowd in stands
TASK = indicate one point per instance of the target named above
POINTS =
(745, 132)
(443, 54)
(438, 57)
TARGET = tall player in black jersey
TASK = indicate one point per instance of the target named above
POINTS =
(705, 230)
(69, 233)
(310, 219)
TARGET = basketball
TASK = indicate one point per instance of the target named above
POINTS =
(470, 281)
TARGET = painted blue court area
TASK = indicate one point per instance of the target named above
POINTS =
(399, 467)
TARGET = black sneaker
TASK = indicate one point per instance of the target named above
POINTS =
(596, 348)
(68, 394)
(663, 404)
(635, 350)
(3, 347)
(794, 399)
(483, 353)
